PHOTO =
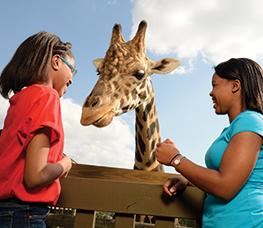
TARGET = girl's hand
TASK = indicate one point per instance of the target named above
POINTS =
(166, 151)
(66, 164)
(173, 185)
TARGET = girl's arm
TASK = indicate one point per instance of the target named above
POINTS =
(38, 172)
(236, 166)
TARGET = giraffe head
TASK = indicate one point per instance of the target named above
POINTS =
(124, 78)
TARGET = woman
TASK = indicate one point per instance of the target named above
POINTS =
(233, 179)
(32, 139)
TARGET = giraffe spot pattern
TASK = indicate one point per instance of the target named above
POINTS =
(138, 123)
(151, 131)
(153, 144)
(141, 144)
(152, 159)
(138, 156)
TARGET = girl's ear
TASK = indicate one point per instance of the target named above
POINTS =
(236, 86)
(55, 62)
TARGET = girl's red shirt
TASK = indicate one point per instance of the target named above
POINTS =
(33, 108)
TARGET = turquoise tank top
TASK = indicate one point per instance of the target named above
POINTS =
(245, 209)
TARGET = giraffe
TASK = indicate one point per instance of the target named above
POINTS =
(124, 84)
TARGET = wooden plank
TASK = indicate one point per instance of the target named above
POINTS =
(164, 222)
(85, 219)
(118, 174)
(124, 220)
(129, 193)
(59, 220)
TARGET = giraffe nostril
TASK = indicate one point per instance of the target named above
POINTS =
(94, 103)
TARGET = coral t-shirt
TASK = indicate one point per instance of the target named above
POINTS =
(33, 108)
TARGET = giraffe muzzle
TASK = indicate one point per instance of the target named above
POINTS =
(98, 117)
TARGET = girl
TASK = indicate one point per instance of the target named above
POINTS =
(32, 139)
(233, 179)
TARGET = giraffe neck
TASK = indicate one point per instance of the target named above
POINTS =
(147, 137)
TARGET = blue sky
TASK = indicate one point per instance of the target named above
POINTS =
(199, 33)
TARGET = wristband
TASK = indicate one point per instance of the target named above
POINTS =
(174, 158)
(177, 160)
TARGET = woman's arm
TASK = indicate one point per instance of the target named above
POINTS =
(237, 164)
(38, 172)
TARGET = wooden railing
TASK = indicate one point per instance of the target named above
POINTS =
(127, 193)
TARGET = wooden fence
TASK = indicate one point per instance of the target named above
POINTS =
(92, 189)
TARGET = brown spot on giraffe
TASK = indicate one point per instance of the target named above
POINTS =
(125, 84)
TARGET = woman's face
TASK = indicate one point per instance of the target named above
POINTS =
(222, 94)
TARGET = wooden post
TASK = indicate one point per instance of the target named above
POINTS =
(85, 219)
(124, 220)
(164, 222)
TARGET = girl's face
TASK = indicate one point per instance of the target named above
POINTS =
(64, 75)
(222, 94)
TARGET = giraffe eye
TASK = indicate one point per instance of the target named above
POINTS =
(139, 74)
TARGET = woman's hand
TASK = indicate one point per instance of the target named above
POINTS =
(173, 185)
(166, 151)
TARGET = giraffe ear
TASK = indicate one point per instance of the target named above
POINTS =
(164, 66)
(97, 62)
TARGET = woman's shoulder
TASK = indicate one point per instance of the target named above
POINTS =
(247, 121)
(250, 115)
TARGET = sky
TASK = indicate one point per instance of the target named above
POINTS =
(200, 33)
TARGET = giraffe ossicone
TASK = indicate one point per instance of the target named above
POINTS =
(124, 84)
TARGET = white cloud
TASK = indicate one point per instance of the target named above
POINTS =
(213, 30)
(3, 109)
(109, 146)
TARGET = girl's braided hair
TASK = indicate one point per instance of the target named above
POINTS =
(29, 64)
